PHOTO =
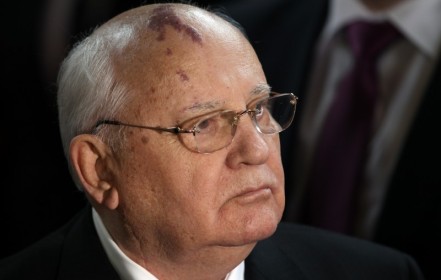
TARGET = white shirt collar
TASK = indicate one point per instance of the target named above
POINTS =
(128, 269)
(419, 23)
(124, 266)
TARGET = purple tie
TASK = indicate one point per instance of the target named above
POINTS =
(346, 132)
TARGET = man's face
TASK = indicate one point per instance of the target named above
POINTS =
(181, 198)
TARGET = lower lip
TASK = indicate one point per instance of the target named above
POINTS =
(253, 196)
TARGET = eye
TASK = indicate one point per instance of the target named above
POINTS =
(201, 126)
(261, 109)
(208, 125)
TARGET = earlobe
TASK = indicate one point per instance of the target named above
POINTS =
(91, 158)
(110, 198)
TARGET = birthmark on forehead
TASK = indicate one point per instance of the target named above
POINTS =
(163, 16)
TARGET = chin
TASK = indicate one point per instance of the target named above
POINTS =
(263, 227)
(247, 224)
(258, 227)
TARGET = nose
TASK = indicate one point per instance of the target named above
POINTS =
(249, 146)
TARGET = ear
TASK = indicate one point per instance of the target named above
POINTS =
(92, 161)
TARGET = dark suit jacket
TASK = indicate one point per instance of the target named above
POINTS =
(294, 253)
(284, 34)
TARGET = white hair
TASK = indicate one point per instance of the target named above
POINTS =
(88, 89)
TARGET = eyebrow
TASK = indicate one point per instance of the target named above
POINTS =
(210, 105)
(260, 89)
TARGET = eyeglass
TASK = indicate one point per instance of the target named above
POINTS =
(213, 131)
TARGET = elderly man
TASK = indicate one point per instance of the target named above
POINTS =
(171, 131)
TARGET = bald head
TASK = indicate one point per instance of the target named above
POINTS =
(159, 23)
(149, 42)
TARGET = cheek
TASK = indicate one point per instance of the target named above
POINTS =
(181, 184)
(200, 186)
(274, 161)
(197, 194)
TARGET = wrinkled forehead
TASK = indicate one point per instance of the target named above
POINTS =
(168, 50)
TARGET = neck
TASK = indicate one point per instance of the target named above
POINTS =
(212, 263)
(173, 258)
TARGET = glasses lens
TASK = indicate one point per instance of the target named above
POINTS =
(276, 113)
(216, 131)
(213, 132)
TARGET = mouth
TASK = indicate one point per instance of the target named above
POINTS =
(254, 195)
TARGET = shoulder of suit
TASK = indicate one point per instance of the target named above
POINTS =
(290, 236)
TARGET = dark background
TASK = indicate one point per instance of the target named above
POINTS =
(37, 194)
